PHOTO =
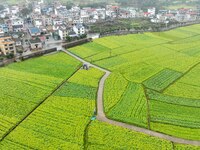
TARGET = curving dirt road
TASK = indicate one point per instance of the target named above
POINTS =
(102, 117)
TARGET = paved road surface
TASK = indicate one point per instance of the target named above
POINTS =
(102, 117)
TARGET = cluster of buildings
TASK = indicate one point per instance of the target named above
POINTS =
(32, 30)
(179, 15)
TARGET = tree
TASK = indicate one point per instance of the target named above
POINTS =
(10, 56)
(25, 11)
(69, 39)
(83, 36)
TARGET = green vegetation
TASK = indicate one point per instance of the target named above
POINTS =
(155, 79)
(132, 107)
(154, 83)
(162, 80)
(115, 86)
(185, 147)
(188, 86)
(60, 122)
(25, 85)
(105, 136)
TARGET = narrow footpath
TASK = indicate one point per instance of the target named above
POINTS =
(102, 117)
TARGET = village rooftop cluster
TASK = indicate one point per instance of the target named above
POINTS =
(48, 24)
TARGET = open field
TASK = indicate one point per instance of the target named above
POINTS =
(49, 103)
(63, 121)
(154, 81)
(25, 85)
(60, 122)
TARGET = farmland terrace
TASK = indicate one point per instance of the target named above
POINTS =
(48, 102)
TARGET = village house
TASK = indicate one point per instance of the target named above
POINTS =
(38, 22)
(14, 10)
(7, 45)
(152, 11)
(35, 44)
(57, 22)
(34, 31)
(18, 42)
(1, 32)
(47, 21)
(64, 32)
(79, 29)
(3, 29)
(37, 10)
(3, 14)
(17, 25)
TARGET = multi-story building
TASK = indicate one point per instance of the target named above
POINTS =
(7, 45)
(64, 32)
(152, 11)
(17, 25)
(79, 29)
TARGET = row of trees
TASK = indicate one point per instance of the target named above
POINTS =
(70, 39)
(127, 25)
(139, 3)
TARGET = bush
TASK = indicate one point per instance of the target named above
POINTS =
(68, 39)
(10, 56)
(1, 58)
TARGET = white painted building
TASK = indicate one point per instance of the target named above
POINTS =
(1, 32)
(38, 22)
(17, 22)
(14, 10)
(63, 33)
(41, 2)
(152, 11)
(37, 10)
(57, 22)
(79, 29)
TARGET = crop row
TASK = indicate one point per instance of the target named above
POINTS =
(177, 131)
(132, 107)
(115, 86)
(153, 95)
(60, 122)
(161, 80)
(174, 114)
(24, 85)
(188, 86)
(105, 136)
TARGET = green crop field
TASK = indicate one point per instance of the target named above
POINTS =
(50, 102)
(105, 136)
(60, 122)
(63, 120)
(155, 80)
(24, 85)
(131, 107)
